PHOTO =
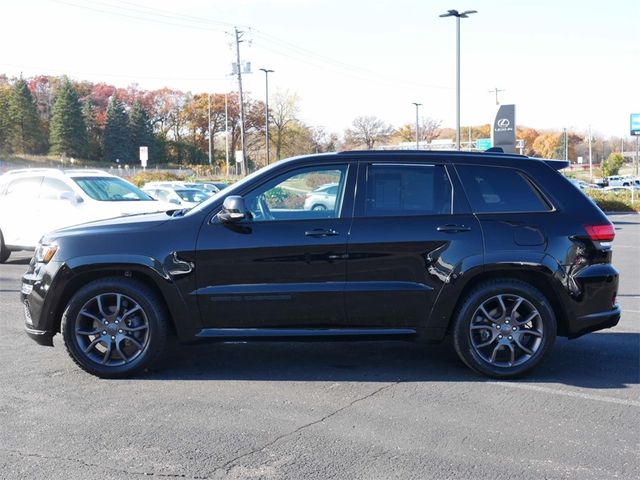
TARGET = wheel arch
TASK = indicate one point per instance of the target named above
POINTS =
(540, 278)
(78, 277)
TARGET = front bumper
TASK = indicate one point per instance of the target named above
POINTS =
(36, 297)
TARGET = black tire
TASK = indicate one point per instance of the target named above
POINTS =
(489, 330)
(318, 207)
(5, 253)
(115, 327)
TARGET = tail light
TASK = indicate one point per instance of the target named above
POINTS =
(600, 233)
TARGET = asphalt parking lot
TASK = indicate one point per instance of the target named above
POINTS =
(326, 410)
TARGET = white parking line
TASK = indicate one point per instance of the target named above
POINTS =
(568, 393)
(630, 311)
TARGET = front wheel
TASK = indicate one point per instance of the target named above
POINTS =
(504, 328)
(114, 327)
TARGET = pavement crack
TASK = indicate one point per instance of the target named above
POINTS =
(227, 466)
(103, 467)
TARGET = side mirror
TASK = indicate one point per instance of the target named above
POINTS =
(233, 209)
(175, 201)
(70, 197)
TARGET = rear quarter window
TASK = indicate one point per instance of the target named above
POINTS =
(500, 189)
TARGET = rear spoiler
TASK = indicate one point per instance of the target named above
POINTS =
(555, 164)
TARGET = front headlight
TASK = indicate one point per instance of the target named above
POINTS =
(44, 253)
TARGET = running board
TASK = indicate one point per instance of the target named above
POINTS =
(256, 333)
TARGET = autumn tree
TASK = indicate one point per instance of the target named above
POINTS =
(67, 131)
(283, 112)
(26, 134)
(546, 145)
(367, 131)
(430, 129)
(117, 140)
(528, 136)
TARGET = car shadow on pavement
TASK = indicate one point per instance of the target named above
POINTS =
(601, 361)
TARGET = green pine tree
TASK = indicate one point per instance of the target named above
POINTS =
(141, 132)
(94, 143)
(26, 134)
(5, 122)
(67, 131)
(117, 139)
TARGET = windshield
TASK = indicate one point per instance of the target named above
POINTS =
(193, 195)
(111, 189)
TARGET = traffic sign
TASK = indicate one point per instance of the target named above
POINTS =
(483, 143)
(635, 124)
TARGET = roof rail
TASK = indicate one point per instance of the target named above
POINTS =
(84, 170)
(31, 170)
(494, 150)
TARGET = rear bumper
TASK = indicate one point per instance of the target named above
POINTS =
(595, 321)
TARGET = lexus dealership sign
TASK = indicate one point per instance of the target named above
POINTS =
(503, 133)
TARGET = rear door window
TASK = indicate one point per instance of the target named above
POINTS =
(498, 189)
(407, 190)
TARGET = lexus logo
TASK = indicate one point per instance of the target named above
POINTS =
(503, 123)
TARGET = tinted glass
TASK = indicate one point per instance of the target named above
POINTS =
(407, 190)
(496, 189)
(110, 189)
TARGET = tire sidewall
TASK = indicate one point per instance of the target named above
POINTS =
(462, 335)
(149, 304)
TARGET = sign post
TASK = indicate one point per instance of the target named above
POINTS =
(144, 157)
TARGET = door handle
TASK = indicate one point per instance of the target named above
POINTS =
(321, 232)
(450, 228)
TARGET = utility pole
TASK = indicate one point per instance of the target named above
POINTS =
(266, 112)
(417, 126)
(209, 135)
(566, 146)
(238, 36)
(226, 132)
(496, 90)
(590, 156)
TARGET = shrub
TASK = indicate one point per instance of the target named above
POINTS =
(615, 202)
(141, 178)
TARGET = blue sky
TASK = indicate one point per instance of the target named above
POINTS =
(564, 63)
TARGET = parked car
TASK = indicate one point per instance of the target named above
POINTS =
(622, 181)
(35, 201)
(322, 198)
(184, 197)
(582, 185)
(498, 251)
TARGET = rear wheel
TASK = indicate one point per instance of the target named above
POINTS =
(114, 327)
(318, 206)
(4, 251)
(504, 328)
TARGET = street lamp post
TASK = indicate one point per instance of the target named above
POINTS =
(458, 15)
(417, 126)
(266, 111)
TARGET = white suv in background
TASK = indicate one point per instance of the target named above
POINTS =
(36, 201)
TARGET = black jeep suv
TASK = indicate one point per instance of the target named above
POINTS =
(499, 251)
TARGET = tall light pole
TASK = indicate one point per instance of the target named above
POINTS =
(266, 111)
(458, 15)
(418, 105)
